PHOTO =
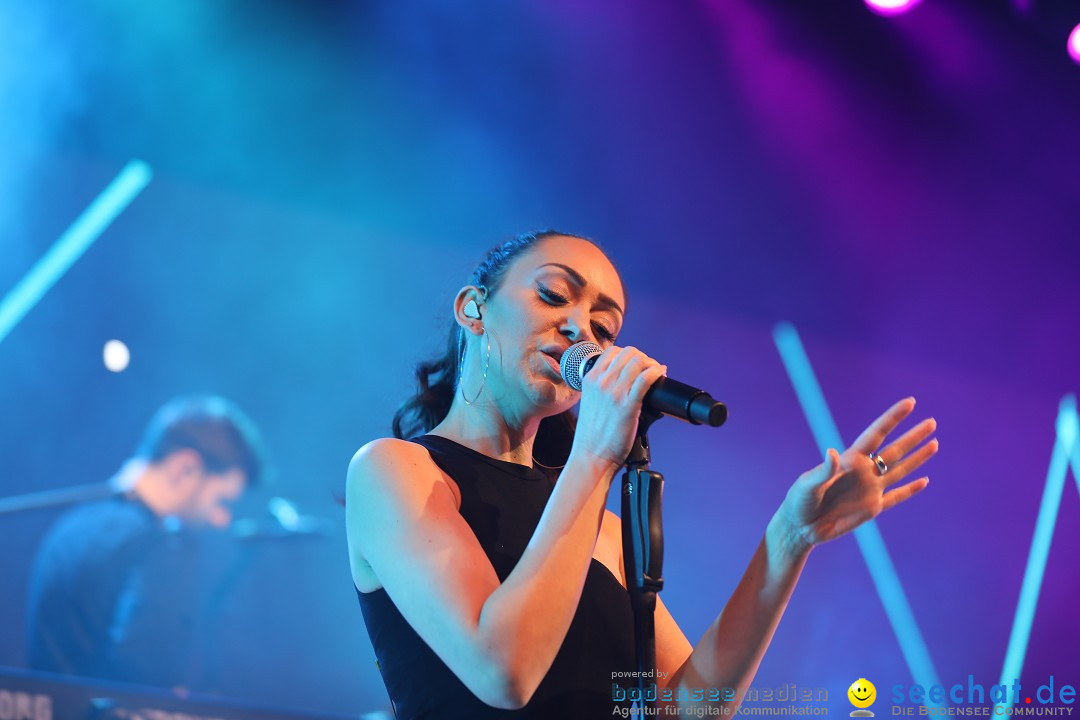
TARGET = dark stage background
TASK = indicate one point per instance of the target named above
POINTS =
(905, 191)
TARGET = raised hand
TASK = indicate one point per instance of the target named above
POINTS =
(848, 489)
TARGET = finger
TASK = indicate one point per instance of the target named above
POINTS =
(829, 467)
(904, 492)
(608, 366)
(875, 435)
(614, 372)
(646, 380)
(605, 360)
(911, 439)
(633, 369)
(912, 462)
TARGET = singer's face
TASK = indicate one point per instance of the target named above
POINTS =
(562, 291)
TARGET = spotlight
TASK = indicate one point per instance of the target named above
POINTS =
(116, 356)
(888, 8)
(1074, 44)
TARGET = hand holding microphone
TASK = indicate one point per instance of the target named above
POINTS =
(665, 397)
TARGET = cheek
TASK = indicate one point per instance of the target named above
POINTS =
(510, 347)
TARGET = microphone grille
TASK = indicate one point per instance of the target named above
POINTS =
(574, 358)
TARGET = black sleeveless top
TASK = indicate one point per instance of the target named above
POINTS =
(502, 502)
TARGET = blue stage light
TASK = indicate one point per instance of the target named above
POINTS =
(72, 244)
(1065, 451)
(867, 536)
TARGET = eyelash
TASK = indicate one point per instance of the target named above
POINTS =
(553, 298)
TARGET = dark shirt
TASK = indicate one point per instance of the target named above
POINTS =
(110, 596)
(502, 502)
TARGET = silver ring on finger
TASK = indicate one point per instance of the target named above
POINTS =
(882, 468)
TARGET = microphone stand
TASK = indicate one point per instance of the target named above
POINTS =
(62, 496)
(643, 554)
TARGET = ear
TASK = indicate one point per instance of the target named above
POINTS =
(469, 309)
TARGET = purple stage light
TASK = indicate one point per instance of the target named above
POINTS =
(1074, 44)
(889, 8)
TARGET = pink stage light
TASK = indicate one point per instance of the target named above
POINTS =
(891, 7)
(1074, 44)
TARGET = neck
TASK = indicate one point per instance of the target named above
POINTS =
(484, 427)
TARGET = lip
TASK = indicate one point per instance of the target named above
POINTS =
(553, 356)
(555, 353)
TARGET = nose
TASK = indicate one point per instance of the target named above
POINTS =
(577, 328)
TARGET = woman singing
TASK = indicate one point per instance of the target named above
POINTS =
(489, 573)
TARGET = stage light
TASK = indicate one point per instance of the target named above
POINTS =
(1066, 453)
(116, 356)
(72, 244)
(867, 536)
(1074, 44)
(889, 8)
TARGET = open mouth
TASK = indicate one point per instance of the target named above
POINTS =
(553, 357)
(554, 353)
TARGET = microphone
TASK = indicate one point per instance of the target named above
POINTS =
(285, 522)
(665, 397)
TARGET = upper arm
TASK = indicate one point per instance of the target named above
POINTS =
(403, 521)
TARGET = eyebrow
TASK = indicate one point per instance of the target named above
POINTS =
(581, 282)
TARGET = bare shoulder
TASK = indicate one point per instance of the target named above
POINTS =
(389, 485)
(394, 466)
(385, 459)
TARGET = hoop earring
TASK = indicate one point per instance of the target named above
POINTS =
(487, 361)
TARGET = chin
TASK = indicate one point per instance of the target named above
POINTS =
(550, 393)
(556, 396)
(542, 391)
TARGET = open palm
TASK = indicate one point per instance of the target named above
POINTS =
(847, 489)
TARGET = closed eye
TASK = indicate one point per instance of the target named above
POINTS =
(603, 333)
(551, 297)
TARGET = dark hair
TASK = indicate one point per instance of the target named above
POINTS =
(217, 429)
(437, 379)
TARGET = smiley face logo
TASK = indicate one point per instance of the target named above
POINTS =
(862, 693)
